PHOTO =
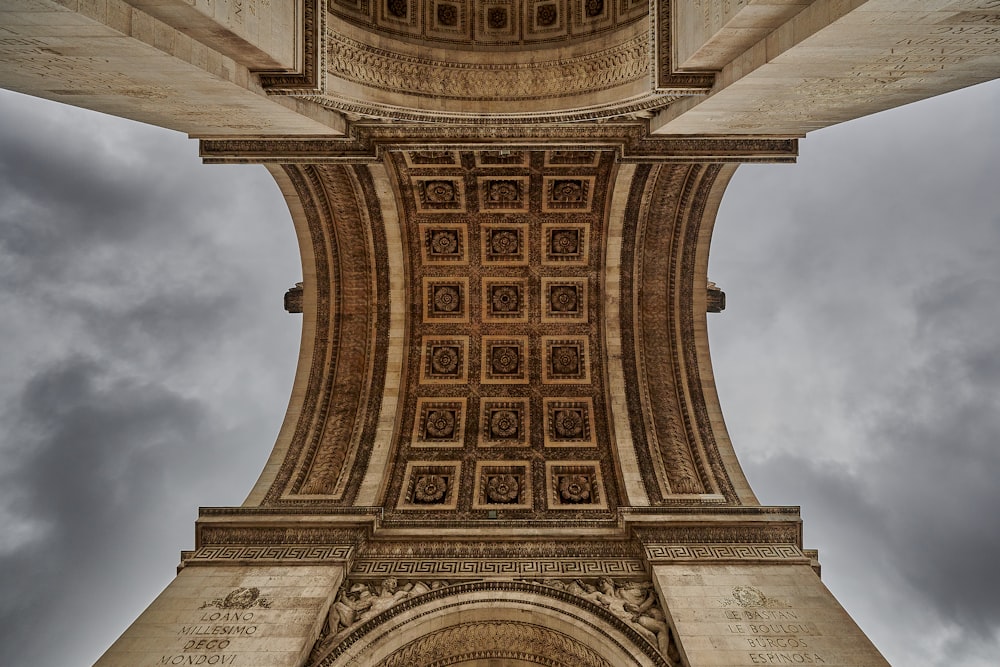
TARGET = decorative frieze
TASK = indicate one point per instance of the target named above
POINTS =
(621, 612)
(263, 554)
(724, 552)
(581, 566)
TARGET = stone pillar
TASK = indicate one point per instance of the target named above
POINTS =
(231, 615)
(793, 66)
(163, 62)
(736, 614)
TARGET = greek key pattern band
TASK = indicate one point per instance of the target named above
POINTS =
(550, 567)
(717, 552)
(294, 553)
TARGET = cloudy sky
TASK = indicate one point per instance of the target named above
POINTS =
(146, 364)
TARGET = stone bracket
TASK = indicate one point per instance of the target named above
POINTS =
(665, 77)
(309, 80)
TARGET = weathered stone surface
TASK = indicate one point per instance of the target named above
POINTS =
(733, 615)
(231, 615)
(834, 61)
(504, 416)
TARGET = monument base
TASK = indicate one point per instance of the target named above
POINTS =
(231, 615)
(734, 615)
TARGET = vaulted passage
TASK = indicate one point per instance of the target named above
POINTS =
(504, 443)
(545, 360)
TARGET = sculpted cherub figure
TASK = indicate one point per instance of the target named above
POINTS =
(348, 607)
(649, 615)
(360, 603)
(635, 603)
(583, 589)
(389, 594)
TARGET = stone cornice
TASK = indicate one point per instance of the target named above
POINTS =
(219, 528)
(631, 141)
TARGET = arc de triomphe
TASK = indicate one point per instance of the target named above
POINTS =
(504, 444)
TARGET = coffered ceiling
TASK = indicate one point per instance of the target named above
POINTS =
(504, 332)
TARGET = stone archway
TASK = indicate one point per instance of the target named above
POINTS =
(478, 623)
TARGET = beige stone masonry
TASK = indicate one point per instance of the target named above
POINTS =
(841, 59)
(109, 56)
(737, 615)
(261, 34)
(708, 33)
(231, 615)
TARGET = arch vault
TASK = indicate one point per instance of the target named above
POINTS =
(503, 444)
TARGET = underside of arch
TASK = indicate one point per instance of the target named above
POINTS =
(568, 291)
(492, 620)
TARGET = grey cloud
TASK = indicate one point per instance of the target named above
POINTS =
(945, 465)
(92, 450)
(857, 363)
(147, 362)
(860, 372)
(91, 436)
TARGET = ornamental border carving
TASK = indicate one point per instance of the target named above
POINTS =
(665, 77)
(638, 201)
(236, 536)
(417, 607)
(724, 552)
(465, 568)
(338, 201)
(311, 79)
(632, 142)
(502, 550)
(382, 69)
(702, 436)
(763, 533)
(654, 400)
(676, 438)
(639, 106)
(329, 460)
(316, 395)
(283, 553)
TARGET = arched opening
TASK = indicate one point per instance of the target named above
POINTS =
(481, 623)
